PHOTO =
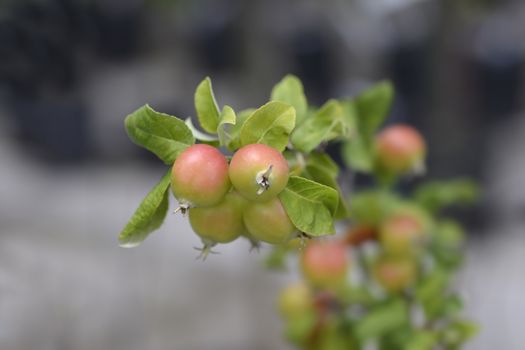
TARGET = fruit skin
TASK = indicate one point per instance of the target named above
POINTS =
(395, 274)
(324, 264)
(221, 223)
(268, 221)
(249, 163)
(400, 149)
(199, 176)
(295, 300)
(402, 234)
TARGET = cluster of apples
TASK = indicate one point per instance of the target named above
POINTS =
(226, 200)
(326, 264)
(311, 308)
(400, 150)
(308, 306)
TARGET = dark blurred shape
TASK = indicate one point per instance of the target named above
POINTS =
(39, 72)
(498, 64)
(118, 26)
(37, 48)
(43, 53)
(312, 62)
(53, 128)
(408, 66)
(216, 36)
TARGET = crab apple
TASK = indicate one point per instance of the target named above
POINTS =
(325, 264)
(393, 273)
(268, 221)
(402, 233)
(199, 176)
(221, 223)
(259, 172)
(400, 149)
(295, 300)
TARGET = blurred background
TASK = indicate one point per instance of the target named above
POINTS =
(71, 70)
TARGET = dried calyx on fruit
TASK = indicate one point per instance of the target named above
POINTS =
(222, 223)
(259, 172)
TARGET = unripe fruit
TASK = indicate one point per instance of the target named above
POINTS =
(259, 172)
(395, 274)
(295, 300)
(400, 149)
(199, 176)
(219, 224)
(402, 234)
(268, 221)
(325, 264)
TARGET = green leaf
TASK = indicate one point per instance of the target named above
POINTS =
(311, 206)
(453, 306)
(290, 90)
(328, 123)
(432, 287)
(352, 295)
(350, 114)
(162, 134)
(199, 135)
(226, 121)
(365, 113)
(235, 130)
(149, 215)
(397, 339)
(323, 161)
(449, 235)
(436, 195)
(206, 106)
(276, 259)
(335, 337)
(321, 168)
(371, 207)
(381, 320)
(443, 306)
(447, 243)
(373, 106)
(421, 340)
(457, 333)
(271, 125)
(298, 329)
(432, 294)
(357, 155)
